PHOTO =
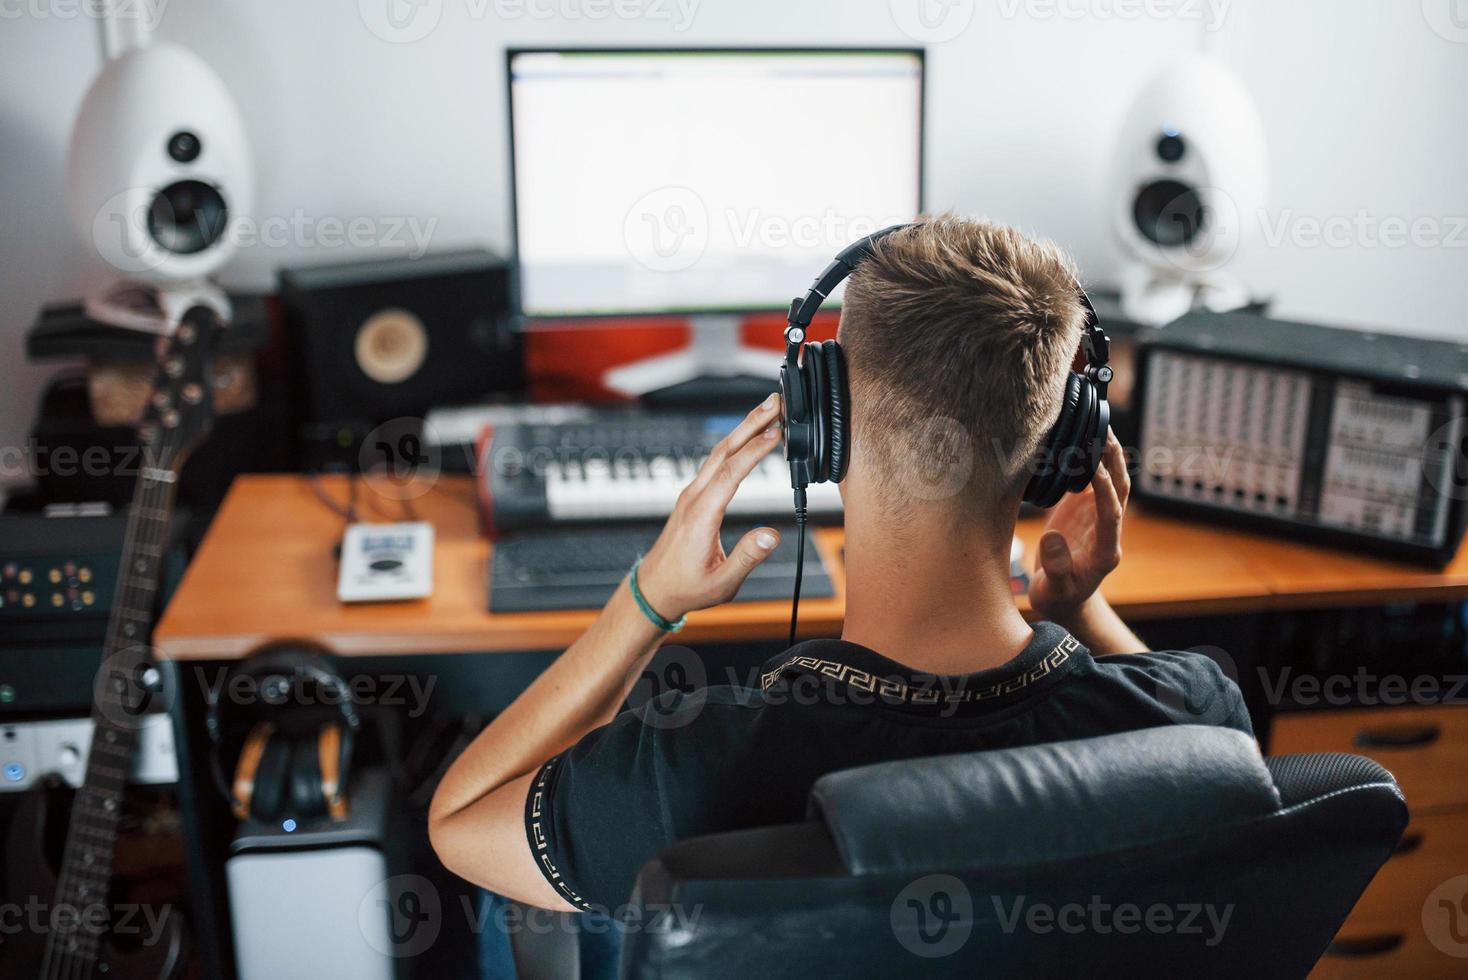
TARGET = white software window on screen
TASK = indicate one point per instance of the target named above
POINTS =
(704, 181)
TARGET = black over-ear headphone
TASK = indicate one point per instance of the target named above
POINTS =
(817, 405)
(293, 763)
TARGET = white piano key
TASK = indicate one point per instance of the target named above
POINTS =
(648, 490)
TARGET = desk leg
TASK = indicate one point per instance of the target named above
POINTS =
(206, 818)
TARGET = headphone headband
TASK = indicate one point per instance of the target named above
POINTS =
(803, 309)
(1096, 345)
(290, 662)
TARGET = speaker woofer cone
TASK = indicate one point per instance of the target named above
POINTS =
(1169, 213)
(187, 217)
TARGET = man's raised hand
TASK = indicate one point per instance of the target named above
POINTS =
(687, 569)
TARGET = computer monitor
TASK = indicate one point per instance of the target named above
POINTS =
(707, 182)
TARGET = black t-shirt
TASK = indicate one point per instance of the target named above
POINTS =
(729, 758)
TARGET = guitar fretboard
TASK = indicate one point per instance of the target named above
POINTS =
(120, 696)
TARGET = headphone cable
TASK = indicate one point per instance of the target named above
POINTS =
(800, 514)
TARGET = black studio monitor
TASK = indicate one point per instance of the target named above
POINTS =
(384, 339)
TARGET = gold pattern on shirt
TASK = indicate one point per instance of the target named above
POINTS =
(896, 689)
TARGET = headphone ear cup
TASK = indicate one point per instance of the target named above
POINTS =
(813, 370)
(1090, 438)
(838, 398)
(241, 791)
(307, 797)
(334, 760)
(799, 416)
(1050, 481)
(271, 776)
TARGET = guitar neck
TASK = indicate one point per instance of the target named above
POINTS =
(131, 622)
(120, 696)
(176, 418)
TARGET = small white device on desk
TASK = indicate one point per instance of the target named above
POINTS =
(385, 562)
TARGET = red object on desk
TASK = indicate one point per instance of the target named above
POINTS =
(567, 361)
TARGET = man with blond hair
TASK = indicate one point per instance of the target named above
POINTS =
(957, 333)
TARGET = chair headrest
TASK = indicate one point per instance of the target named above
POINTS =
(1043, 803)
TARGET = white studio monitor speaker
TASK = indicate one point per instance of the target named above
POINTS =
(320, 901)
(1188, 181)
(159, 176)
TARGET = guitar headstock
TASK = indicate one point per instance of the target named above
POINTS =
(180, 410)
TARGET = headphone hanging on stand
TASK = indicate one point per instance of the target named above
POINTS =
(816, 406)
(297, 768)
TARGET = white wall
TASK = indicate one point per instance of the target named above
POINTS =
(1363, 102)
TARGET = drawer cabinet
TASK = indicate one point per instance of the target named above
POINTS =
(1384, 934)
(1426, 749)
(1414, 959)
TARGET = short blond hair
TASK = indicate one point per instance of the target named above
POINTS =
(964, 328)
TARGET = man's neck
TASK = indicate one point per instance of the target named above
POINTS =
(932, 596)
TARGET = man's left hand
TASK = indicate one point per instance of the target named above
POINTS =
(1082, 541)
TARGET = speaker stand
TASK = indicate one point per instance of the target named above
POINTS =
(154, 308)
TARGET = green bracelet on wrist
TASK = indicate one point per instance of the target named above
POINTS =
(666, 625)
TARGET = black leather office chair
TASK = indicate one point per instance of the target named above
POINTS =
(1167, 852)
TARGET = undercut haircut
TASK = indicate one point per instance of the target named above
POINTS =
(958, 328)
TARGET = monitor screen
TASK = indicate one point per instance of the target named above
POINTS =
(653, 182)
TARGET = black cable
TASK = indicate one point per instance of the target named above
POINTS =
(349, 512)
(800, 514)
(409, 512)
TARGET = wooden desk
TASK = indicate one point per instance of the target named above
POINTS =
(266, 572)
